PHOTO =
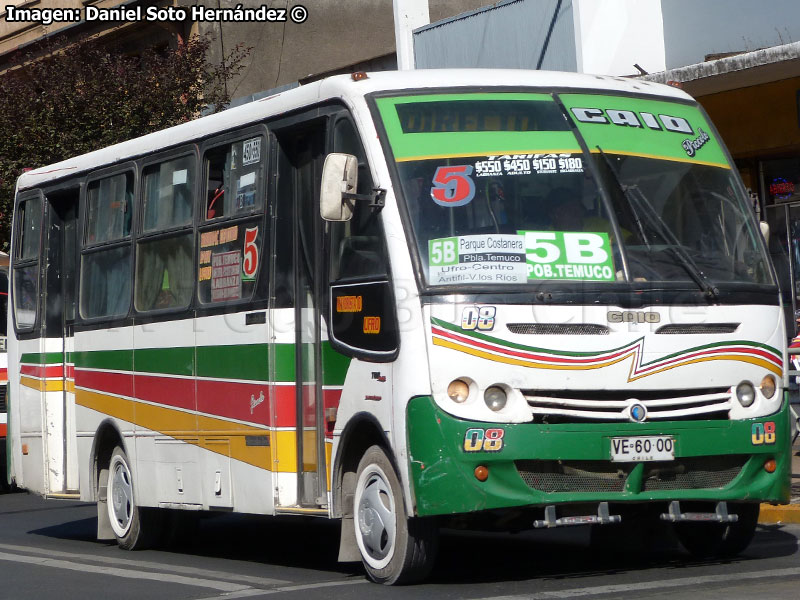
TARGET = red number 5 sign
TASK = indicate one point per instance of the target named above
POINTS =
(453, 186)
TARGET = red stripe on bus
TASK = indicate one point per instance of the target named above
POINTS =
(119, 384)
(225, 399)
(42, 372)
(169, 391)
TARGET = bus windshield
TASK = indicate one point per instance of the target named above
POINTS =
(499, 189)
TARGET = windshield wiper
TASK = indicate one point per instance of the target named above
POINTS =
(638, 198)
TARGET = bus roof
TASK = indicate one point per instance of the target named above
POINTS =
(343, 87)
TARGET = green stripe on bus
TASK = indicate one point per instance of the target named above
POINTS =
(244, 362)
(42, 358)
(508, 344)
(112, 360)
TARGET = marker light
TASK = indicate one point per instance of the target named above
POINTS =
(481, 473)
(770, 466)
(458, 390)
(768, 386)
(745, 393)
(495, 398)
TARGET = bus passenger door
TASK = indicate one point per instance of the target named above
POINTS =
(56, 365)
(298, 233)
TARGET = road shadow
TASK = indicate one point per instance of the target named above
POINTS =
(465, 557)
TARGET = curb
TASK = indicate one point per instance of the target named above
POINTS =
(786, 513)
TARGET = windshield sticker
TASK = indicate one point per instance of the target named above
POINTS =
(525, 164)
(453, 186)
(495, 258)
(573, 255)
(642, 127)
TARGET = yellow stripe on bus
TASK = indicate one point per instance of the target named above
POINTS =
(753, 360)
(43, 385)
(527, 362)
(276, 453)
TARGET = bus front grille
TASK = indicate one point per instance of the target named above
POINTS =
(576, 406)
(691, 473)
(3, 389)
(573, 476)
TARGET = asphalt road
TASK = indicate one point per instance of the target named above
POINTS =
(47, 550)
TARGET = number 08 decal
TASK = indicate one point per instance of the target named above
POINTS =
(486, 440)
(763, 433)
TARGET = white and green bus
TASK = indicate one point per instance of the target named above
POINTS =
(405, 300)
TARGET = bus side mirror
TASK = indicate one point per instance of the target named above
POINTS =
(339, 181)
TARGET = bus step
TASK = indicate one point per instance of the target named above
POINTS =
(601, 518)
(720, 516)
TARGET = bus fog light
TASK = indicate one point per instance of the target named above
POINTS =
(768, 386)
(495, 398)
(481, 473)
(458, 391)
(745, 393)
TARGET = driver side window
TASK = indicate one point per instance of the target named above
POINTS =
(356, 246)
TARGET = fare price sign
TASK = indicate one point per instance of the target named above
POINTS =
(568, 255)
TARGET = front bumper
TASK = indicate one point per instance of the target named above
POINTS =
(536, 465)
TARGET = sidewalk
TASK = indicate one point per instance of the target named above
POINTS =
(786, 513)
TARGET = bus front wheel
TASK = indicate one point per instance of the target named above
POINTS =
(704, 540)
(134, 527)
(394, 548)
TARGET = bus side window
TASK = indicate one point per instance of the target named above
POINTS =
(164, 261)
(231, 253)
(356, 246)
(105, 263)
(26, 264)
(234, 178)
(168, 194)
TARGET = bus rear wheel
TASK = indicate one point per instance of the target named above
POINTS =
(705, 540)
(135, 528)
(394, 548)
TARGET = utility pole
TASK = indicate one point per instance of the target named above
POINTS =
(408, 16)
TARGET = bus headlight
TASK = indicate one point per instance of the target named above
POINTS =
(745, 393)
(495, 398)
(768, 386)
(458, 391)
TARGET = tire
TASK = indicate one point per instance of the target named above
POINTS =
(706, 540)
(134, 527)
(394, 549)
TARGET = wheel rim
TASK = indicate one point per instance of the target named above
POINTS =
(120, 497)
(376, 523)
